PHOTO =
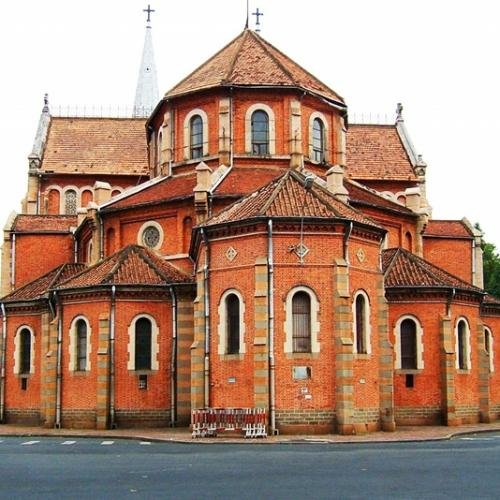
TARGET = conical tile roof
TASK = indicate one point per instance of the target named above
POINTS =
(403, 269)
(286, 196)
(249, 60)
(133, 265)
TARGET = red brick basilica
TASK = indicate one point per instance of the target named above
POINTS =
(244, 246)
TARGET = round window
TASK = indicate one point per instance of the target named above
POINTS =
(151, 236)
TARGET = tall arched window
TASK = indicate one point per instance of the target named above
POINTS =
(233, 324)
(143, 344)
(187, 226)
(408, 344)
(318, 140)
(158, 152)
(81, 345)
(361, 324)
(462, 345)
(301, 313)
(70, 202)
(488, 347)
(260, 132)
(196, 137)
(53, 203)
(25, 351)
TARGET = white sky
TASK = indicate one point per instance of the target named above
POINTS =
(439, 58)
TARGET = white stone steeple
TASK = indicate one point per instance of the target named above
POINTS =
(146, 94)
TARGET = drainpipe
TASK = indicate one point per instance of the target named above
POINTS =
(101, 235)
(206, 371)
(58, 362)
(173, 361)
(2, 363)
(112, 422)
(347, 235)
(75, 251)
(270, 314)
(13, 262)
(450, 300)
(231, 128)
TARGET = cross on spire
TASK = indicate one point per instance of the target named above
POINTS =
(257, 15)
(149, 10)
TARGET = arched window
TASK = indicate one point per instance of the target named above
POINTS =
(318, 140)
(187, 226)
(25, 351)
(158, 152)
(301, 313)
(86, 197)
(196, 137)
(408, 242)
(81, 345)
(488, 347)
(70, 202)
(110, 241)
(462, 345)
(361, 324)
(233, 324)
(53, 205)
(260, 132)
(143, 344)
(408, 344)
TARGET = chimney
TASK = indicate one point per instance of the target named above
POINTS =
(102, 192)
(335, 183)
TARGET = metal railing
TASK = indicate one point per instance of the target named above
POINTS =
(208, 422)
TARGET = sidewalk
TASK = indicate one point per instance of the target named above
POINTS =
(183, 435)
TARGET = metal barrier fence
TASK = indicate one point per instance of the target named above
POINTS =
(207, 422)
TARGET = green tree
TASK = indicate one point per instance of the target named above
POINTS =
(491, 266)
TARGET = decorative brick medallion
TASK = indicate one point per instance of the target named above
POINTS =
(231, 254)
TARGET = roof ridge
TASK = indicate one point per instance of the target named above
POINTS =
(121, 257)
(233, 63)
(392, 261)
(145, 255)
(272, 197)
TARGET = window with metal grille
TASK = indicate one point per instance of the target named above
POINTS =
(25, 351)
(360, 324)
(408, 333)
(301, 312)
(260, 133)
(233, 324)
(462, 345)
(143, 344)
(81, 345)
(196, 137)
(70, 202)
(318, 140)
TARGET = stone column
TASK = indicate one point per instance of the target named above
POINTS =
(484, 375)
(447, 371)
(48, 386)
(296, 154)
(260, 357)
(166, 143)
(225, 131)
(343, 343)
(103, 371)
(198, 345)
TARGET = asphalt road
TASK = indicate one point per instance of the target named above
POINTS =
(95, 468)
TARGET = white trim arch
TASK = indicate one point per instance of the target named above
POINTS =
(187, 132)
(155, 347)
(288, 325)
(222, 326)
(73, 344)
(17, 350)
(419, 341)
(467, 346)
(248, 127)
(317, 115)
(367, 330)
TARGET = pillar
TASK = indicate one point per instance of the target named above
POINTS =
(103, 372)
(447, 342)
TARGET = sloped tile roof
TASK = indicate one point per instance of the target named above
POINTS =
(404, 269)
(246, 180)
(375, 152)
(249, 60)
(150, 193)
(447, 228)
(96, 146)
(25, 223)
(39, 287)
(286, 196)
(365, 196)
(132, 265)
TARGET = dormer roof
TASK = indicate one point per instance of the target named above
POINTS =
(250, 61)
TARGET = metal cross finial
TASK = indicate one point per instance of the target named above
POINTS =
(148, 10)
(257, 14)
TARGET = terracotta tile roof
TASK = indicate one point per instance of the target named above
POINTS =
(249, 60)
(240, 181)
(39, 287)
(24, 223)
(375, 152)
(132, 265)
(447, 228)
(404, 269)
(154, 192)
(96, 146)
(368, 197)
(286, 196)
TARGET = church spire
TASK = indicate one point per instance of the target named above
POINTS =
(146, 94)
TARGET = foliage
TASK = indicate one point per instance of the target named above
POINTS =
(491, 266)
